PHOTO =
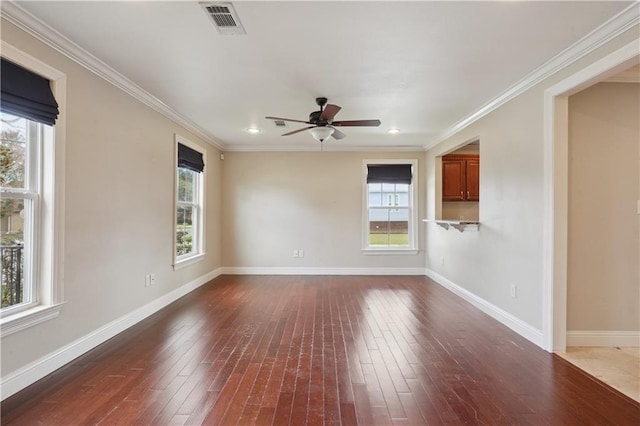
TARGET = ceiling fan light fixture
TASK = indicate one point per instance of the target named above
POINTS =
(393, 131)
(320, 133)
(253, 130)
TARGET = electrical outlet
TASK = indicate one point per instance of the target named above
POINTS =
(513, 290)
(296, 253)
(149, 280)
(300, 253)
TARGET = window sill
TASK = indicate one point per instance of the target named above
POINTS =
(179, 264)
(374, 252)
(28, 318)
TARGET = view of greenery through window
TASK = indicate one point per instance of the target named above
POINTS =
(388, 215)
(186, 189)
(13, 132)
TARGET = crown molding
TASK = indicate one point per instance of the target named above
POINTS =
(316, 147)
(54, 39)
(623, 21)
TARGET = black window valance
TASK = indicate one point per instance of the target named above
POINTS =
(389, 173)
(190, 158)
(26, 94)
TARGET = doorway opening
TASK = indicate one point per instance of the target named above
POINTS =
(557, 194)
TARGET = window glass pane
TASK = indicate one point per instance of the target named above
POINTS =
(402, 195)
(12, 251)
(399, 227)
(388, 188)
(184, 230)
(388, 227)
(378, 227)
(388, 194)
(13, 132)
(186, 179)
(375, 194)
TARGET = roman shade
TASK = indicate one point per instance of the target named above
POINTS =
(26, 94)
(189, 158)
(389, 173)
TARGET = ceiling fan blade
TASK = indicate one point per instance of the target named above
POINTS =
(298, 131)
(369, 123)
(287, 119)
(337, 134)
(329, 112)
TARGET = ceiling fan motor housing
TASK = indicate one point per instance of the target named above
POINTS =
(314, 117)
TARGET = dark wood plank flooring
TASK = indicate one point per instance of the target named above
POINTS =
(319, 350)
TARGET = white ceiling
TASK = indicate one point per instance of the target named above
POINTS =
(418, 66)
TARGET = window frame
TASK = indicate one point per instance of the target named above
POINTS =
(412, 247)
(47, 257)
(199, 225)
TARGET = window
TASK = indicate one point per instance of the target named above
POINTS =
(31, 190)
(389, 196)
(190, 180)
(19, 186)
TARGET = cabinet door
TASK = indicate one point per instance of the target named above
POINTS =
(453, 177)
(473, 180)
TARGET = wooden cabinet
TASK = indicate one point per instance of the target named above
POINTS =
(461, 177)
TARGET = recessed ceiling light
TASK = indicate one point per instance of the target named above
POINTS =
(253, 130)
(393, 131)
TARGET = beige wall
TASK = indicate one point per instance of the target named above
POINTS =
(460, 210)
(275, 203)
(603, 287)
(470, 148)
(508, 249)
(119, 205)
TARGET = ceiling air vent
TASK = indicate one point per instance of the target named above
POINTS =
(280, 123)
(224, 18)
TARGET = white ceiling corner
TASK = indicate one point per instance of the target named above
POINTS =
(51, 37)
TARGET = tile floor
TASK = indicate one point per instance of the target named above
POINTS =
(617, 367)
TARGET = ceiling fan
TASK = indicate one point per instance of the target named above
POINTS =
(322, 124)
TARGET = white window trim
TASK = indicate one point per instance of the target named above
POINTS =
(49, 269)
(413, 215)
(199, 255)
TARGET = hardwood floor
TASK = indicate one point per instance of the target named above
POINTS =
(319, 350)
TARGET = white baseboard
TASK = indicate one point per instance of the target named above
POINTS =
(29, 374)
(609, 338)
(231, 270)
(516, 324)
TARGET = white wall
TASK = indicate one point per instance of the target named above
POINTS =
(603, 281)
(277, 202)
(508, 248)
(119, 205)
